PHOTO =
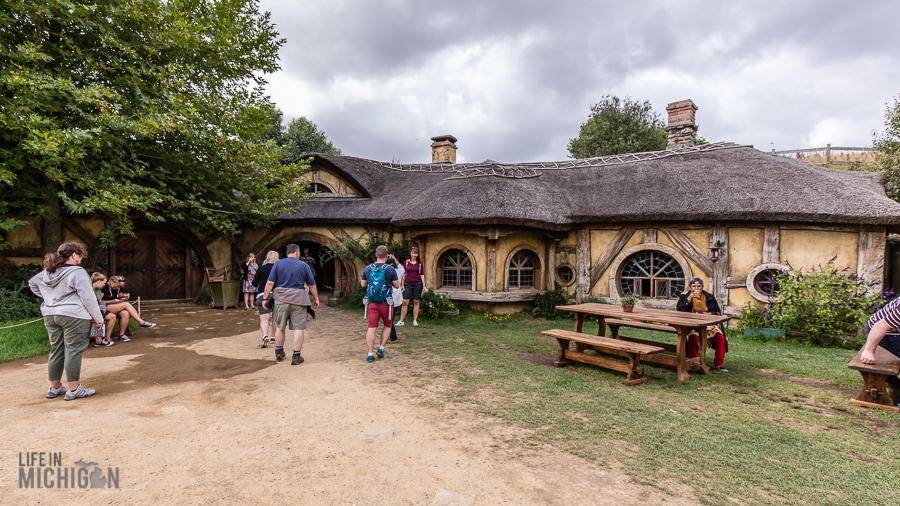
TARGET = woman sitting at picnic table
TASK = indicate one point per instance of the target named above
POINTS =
(698, 300)
(117, 303)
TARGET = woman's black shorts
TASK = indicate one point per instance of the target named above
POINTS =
(412, 291)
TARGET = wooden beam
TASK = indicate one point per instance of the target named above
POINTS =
(771, 245)
(609, 254)
(22, 252)
(691, 250)
(86, 237)
(478, 296)
(649, 235)
(491, 254)
(870, 257)
(718, 237)
(735, 282)
(583, 264)
(550, 277)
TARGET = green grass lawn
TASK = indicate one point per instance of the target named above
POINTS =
(778, 429)
(23, 341)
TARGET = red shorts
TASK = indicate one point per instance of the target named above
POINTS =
(379, 311)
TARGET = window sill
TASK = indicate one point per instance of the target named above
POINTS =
(517, 295)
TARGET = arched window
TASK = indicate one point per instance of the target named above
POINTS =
(318, 188)
(521, 270)
(652, 274)
(456, 270)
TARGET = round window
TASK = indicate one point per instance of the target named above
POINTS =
(565, 275)
(761, 281)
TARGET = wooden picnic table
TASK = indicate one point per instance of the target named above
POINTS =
(680, 323)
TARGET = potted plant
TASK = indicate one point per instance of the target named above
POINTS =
(447, 307)
(628, 303)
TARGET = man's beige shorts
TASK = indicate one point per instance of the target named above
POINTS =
(285, 313)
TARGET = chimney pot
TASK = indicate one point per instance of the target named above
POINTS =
(443, 149)
(682, 127)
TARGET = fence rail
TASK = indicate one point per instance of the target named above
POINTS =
(816, 158)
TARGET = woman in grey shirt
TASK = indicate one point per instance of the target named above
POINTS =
(69, 308)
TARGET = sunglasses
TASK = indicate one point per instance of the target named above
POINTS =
(415, 249)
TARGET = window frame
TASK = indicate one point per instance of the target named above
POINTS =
(438, 271)
(536, 269)
(615, 270)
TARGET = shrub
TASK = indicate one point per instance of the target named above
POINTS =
(15, 305)
(16, 278)
(545, 304)
(825, 305)
(429, 308)
(753, 317)
(355, 299)
(203, 298)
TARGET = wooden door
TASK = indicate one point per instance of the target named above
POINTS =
(153, 265)
(168, 268)
(132, 260)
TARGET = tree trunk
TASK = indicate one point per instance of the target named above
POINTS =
(51, 226)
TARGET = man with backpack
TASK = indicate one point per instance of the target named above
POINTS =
(379, 279)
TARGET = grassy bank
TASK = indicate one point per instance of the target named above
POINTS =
(777, 429)
(23, 341)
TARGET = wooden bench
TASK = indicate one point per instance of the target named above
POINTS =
(634, 352)
(614, 325)
(873, 393)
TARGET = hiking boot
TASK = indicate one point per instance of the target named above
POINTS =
(124, 338)
(380, 352)
(279, 355)
(71, 395)
(297, 359)
(399, 324)
(53, 393)
(104, 342)
(265, 342)
(147, 325)
(719, 368)
(370, 358)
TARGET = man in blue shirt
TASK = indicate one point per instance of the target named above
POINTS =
(293, 288)
(380, 309)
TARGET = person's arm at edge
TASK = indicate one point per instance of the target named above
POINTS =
(876, 334)
(82, 285)
(684, 303)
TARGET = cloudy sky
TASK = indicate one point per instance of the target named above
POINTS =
(514, 80)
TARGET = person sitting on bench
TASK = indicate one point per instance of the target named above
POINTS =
(117, 304)
(697, 300)
(884, 331)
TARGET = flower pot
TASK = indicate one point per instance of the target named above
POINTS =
(768, 333)
(628, 308)
(447, 314)
(333, 301)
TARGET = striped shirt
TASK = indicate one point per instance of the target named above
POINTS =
(889, 313)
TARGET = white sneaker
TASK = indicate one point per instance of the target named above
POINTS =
(399, 324)
(415, 323)
(71, 395)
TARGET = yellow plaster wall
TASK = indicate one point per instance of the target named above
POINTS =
(95, 227)
(506, 244)
(330, 180)
(26, 236)
(600, 240)
(737, 297)
(805, 249)
(474, 243)
(220, 251)
(570, 240)
(745, 247)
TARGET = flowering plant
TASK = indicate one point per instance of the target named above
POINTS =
(445, 304)
(491, 317)
(629, 300)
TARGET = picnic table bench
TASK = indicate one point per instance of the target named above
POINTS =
(884, 370)
(681, 324)
(634, 352)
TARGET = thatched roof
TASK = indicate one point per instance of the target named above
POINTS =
(715, 182)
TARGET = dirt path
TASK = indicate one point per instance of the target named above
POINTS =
(192, 412)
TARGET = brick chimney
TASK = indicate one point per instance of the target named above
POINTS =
(682, 127)
(443, 149)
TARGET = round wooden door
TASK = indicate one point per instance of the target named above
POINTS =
(154, 266)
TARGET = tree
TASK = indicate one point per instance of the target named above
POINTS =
(619, 126)
(303, 136)
(887, 146)
(139, 109)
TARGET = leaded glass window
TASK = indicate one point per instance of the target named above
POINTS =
(565, 275)
(521, 270)
(765, 281)
(318, 188)
(456, 270)
(652, 274)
